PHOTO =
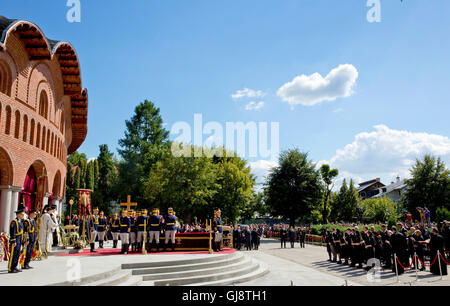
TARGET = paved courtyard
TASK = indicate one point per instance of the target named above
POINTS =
(309, 266)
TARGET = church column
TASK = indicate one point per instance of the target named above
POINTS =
(14, 204)
(5, 207)
(47, 195)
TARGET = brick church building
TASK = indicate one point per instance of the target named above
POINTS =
(43, 115)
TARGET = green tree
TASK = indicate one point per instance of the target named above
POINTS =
(293, 188)
(344, 203)
(106, 193)
(143, 145)
(381, 209)
(429, 185)
(328, 175)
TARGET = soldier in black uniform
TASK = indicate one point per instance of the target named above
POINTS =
(217, 227)
(283, 236)
(171, 223)
(437, 244)
(142, 225)
(101, 229)
(337, 245)
(358, 251)
(399, 246)
(15, 241)
(30, 230)
(154, 226)
(125, 227)
(115, 229)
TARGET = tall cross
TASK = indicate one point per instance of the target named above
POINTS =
(128, 204)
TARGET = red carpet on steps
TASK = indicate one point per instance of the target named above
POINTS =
(110, 252)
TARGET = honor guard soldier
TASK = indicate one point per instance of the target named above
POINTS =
(142, 225)
(15, 241)
(171, 221)
(30, 230)
(133, 231)
(93, 229)
(155, 228)
(102, 227)
(115, 229)
(125, 227)
(217, 226)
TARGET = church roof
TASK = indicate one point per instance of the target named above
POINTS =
(40, 47)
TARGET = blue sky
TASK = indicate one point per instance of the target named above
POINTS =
(191, 56)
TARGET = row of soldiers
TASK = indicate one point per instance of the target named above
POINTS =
(22, 239)
(393, 248)
(132, 228)
(136, 229)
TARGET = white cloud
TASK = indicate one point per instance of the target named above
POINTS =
(261, 169)
(386, 153)
(254, 105)
(248, 93)
(314, 89)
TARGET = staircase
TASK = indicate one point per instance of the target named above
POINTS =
(216, 270)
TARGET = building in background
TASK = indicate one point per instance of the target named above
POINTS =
(43, 115)
(370, 188)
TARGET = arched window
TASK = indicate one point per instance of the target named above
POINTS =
(25, 128)
(38, 136)
(5, 78)
(8, 120)
(17, 125)
(43, 104)
(32, 132)
(61, 125)
(43, 138)
(47, 147)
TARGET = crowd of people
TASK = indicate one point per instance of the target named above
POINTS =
(406, 245)
(247, 237)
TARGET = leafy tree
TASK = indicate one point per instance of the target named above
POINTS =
(344, 203)
(381, 209)
(105, 192)
(429, 186)
(143, 145)
(187, 184)
(234, 192)
(293, 188)
(328, 175)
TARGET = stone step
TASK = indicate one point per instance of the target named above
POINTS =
(210, 258)
(132, 281)
(208, 278)
(189, 267)
(199, 272)
(90, 279)
(116, 279)
(260, 272)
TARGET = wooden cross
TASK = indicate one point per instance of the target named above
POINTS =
(128, 204)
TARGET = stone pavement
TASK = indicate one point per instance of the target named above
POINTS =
(56, 269)
(296, 264)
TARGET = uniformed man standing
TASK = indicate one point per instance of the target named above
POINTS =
(155, 228)
(142, 225)
(30, 230)
(101, 228)
(15, 241)
(115, 229)
(217, 226)
(125, 227)
(170, 221)
(133, 231)
(93, 229)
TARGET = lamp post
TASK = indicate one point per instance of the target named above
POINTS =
(70, 203)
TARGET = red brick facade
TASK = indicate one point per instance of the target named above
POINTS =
(43, 110)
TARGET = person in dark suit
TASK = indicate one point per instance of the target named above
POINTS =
(283, 236)
(399, 246)
(292, 236)
(437, 245)
(248, 239)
